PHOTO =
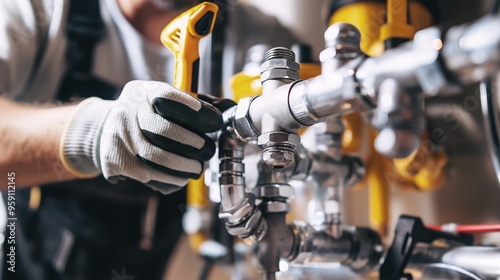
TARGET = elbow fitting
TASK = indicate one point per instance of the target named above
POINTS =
(238, 210)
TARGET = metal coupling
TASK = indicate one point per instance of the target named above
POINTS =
(328, 171)
(359, 248)
(342, 43)
(279, 64)
(399, 119)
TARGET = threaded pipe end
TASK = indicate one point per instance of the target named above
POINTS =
(279, 52)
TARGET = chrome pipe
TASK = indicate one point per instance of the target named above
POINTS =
(238, 210)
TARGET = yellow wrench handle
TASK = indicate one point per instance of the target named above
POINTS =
(182, 36)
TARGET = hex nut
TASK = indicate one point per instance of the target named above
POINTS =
(242, 121)
(236, 214)
(278, 137)
(273, 191)
(245, 228)
(279, 63)
(275, 74)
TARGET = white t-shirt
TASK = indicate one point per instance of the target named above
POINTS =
(33, 47)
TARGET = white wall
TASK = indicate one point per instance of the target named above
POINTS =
(306, 18)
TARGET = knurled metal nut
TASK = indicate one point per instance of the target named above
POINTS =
(279, 63)
(278, 137)
(236, 215)
(242, 119)
(247, 227)
(275, 207)
(276, 74)
(285, 191)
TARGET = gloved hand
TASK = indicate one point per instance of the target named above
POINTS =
(153, 133)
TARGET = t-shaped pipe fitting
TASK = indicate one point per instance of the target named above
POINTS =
(278, 69)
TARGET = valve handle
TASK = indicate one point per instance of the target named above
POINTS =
(410, 231)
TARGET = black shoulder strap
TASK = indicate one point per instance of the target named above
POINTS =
(85, 28)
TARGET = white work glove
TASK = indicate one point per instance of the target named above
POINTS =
(153, 133)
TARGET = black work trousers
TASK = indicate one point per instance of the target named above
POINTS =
(94, 233)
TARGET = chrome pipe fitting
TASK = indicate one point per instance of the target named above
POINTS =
(356, 247)
(278, 69)
(342, 44)
(400, 119)
(471, 52)
(331, 176)
(238, 210)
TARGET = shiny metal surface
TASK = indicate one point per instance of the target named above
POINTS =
(358, 248)
(443, 271)
(242, 123)
(482, 261)
(472, 51)
(399, 118)
(278, 144)
(278, 147)
(238, 210)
